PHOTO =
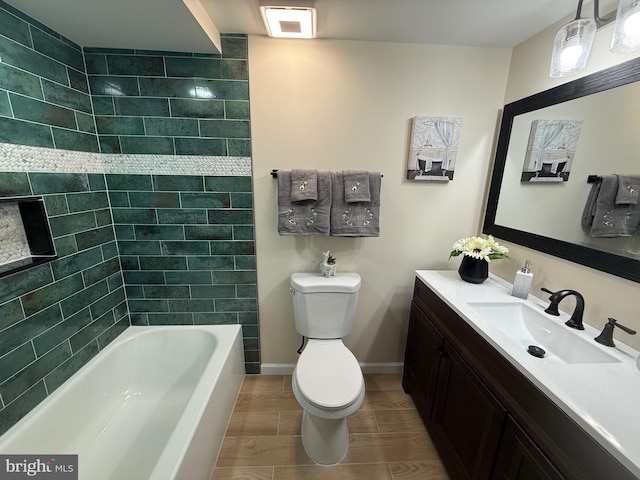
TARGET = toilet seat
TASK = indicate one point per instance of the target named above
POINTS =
(328, 375)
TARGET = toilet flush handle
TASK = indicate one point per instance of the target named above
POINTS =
(293, 292)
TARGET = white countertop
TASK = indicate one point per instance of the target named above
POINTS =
(603, 398)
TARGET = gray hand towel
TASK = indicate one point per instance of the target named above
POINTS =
(304, 185)
(356, 186)
(611, 220)
(360, 219)
(304, 218)
(628, 189)
(590, 206)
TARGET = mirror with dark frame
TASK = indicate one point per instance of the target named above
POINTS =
(550, 146)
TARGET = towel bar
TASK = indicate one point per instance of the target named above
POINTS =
(593, 178)
(274, 173)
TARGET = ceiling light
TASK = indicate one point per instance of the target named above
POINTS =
(289, 19)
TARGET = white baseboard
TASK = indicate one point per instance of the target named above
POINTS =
(390, 367)
(287, 368)
(277, 368)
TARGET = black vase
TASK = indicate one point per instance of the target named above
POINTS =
(473, 270)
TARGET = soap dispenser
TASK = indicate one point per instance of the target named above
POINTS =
(522, 282)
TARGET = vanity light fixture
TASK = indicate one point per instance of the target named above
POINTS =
(626, 31)
(572, 44)
(289, 18)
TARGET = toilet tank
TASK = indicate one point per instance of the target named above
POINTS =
(324, 307)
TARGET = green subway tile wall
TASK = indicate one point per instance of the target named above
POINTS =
(57, 316)
(55, 94)
(178, 249)
(188, 254)
(43, 87)
(171, 103)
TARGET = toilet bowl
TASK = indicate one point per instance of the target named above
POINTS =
(328, 384)
(327, 380)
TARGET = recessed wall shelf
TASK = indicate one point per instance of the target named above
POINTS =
(25, 236)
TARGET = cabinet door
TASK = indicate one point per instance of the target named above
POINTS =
(520, 459)
(422, 358)
(467, 419)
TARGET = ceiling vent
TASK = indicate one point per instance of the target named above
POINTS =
(289, 18)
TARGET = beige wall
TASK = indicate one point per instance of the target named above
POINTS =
(334, 105)
(605, 295)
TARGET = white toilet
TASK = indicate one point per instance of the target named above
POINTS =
(327, 380)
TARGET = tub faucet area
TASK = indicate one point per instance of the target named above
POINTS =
(556, 297)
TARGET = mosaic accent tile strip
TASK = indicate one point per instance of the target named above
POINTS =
(24, 158)
(177, 165)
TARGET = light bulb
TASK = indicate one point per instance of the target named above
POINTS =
(571, 47)
(626, 32)
(632, 24)
(571, 54)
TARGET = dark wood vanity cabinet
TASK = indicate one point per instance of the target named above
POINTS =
(466, 418)
(485, 418)
(463, 417)
(422, 363)
(519, 458)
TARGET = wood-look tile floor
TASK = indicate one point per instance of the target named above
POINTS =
(387, 440)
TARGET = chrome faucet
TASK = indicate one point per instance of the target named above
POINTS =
(556, 297)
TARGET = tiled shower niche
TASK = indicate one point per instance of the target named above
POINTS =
(25, 238)
(14, 247)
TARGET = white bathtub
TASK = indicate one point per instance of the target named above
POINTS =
(154, 404)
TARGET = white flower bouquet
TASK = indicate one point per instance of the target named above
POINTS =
(479, 248)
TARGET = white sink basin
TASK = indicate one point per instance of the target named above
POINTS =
(527, 326)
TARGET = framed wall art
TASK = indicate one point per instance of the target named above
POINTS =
(550, 150)
(433, 148)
